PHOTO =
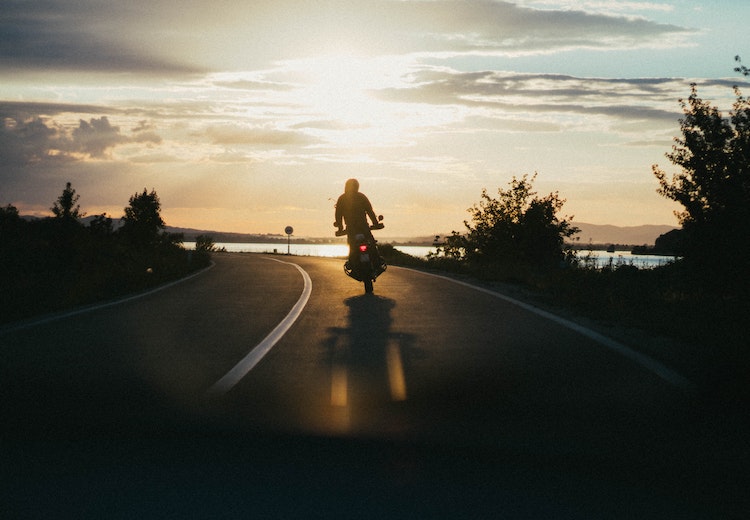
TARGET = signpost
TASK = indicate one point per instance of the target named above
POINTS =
(288, 230)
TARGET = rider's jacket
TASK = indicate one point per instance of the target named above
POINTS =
(354, 209)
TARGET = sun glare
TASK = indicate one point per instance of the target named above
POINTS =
(339, 87)
(340, 90)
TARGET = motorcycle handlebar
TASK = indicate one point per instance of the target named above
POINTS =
(342, 231)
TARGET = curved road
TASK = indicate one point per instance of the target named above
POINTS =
(427, 387)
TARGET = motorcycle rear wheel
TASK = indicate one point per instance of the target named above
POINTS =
(368, 285)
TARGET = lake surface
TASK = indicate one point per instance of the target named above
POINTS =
(325, 250)
(602, 259)
(599, 258)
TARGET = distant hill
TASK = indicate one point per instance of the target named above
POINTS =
(222, 236)
(632, 235)
(598, 234)
(590, 233)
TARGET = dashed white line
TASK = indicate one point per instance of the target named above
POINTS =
(247, 363)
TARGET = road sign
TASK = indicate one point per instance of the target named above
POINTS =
(288, 230)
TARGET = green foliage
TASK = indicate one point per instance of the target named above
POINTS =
(713, 186)
(518, 231)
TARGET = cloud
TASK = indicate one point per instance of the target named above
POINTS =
(491, 27)
(28, 142)
(229, 134)
(600, 6)
(650, 99)
(96, 136)
(252, 85)
(31, 134)
(151, 36)
(144, 133)
(76, 35)
(20, 110)
(330, 125)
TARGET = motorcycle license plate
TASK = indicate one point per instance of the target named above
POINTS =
(364, 257)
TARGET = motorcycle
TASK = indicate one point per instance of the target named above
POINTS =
(365, 263)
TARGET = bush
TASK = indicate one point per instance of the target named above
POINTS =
(55, 263)
(513, 236)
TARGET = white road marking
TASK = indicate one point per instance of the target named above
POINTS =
(247, 363)
(653, 366)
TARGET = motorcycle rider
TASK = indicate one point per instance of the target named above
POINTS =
(354, 208)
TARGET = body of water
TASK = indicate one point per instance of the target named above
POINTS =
(602, 259)
(599, 258)
(325, 250)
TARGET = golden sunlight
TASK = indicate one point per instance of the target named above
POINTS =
(340, 90)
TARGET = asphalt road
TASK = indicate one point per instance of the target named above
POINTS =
(428, 398)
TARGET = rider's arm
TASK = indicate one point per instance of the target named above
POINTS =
(370, 212)
(339, 212)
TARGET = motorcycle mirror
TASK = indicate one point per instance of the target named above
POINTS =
(380, 217)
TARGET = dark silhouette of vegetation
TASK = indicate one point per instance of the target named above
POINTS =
(66, 207)
(142, 224)
(700, 298)
(205, 243)
(58, 262)
(741, 68)
(714, 189)
(513, 234)
(668, 244)
(392, 255)
(204, 246)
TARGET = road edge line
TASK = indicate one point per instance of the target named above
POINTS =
(252, 358)
(650, 364)
(34, 322)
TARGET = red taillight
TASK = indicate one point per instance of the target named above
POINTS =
(363, 248)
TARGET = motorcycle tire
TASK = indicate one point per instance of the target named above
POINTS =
(368, 286)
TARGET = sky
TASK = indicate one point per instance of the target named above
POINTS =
(249, 116)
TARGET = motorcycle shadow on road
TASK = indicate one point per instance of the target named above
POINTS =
(369, 363)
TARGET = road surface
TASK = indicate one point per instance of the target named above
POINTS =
(428, 398)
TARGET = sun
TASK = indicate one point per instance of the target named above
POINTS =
(341, 87)
(341, 90)
(339, 98)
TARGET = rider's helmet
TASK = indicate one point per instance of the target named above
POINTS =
(351, 186)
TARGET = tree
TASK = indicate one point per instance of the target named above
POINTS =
(741, 68)
(66, 207)
(142, 223)
(714, 184)
(516, 229)
(101, 226)
(9, 213)
(11, 226)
